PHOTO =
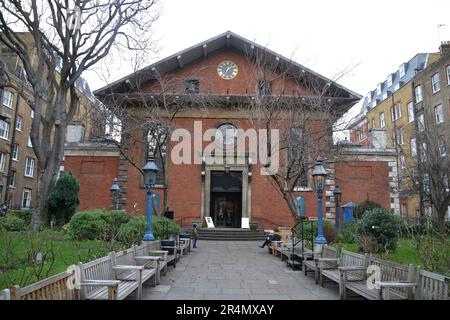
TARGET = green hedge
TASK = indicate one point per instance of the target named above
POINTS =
(25, 215)
(12, 223)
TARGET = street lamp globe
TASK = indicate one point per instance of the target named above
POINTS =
(150, 171)
(319, 175)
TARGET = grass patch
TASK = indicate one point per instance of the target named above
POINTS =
(19, 250)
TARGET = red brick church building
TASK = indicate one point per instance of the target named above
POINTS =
(207, 83)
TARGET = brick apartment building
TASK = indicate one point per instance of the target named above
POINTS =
(18, 164)
(195, 191)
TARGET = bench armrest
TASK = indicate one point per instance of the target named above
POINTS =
(148, 258)
(328, 259)
(100, 283)
(351, 268)
(387, 284)
(124, 267)
(158, 251)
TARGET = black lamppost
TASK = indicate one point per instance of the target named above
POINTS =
(319, 175)
(150, 172)
(337, 193)
(115, 192)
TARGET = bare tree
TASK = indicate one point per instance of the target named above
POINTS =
(65, 38)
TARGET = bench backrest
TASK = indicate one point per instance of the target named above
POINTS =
(98, 269)
(57, 287)
(395, 272)
(141, 250)
(124, 257)
(431, 286)
(352, 259)
(329, 252)
(152, 245)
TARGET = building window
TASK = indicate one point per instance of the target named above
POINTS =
(12, 179)
(402, 70)
(192, 86)
(442, 147)
(382, 123)
(19, 123)
(379, 89)
(400, 136)
(389, 80)
(413, 147)
(7, 98)
(29, 144)
(29, 167)
(2, 161)
(436, 82)
(4, 130)
(404, 210)
(402, 162)
(418, 93)
(448, 74)
(396, 86)
(264, 87)
(15, 152)
(423, 152)
(439, 114)
(396, 112)
(369, 97)
(410, 112)
(421, 122)
(26, 198)
(426, 183)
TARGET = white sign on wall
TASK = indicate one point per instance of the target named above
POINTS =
(209, 222)
(245, 223)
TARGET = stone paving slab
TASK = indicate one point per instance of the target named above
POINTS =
(235, 270)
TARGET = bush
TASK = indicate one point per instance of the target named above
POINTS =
(89, 225)
(12, 223)
(378, 229)
(363, 207)
(348, 233)
(25, 215)
(132, 232)
(114, 220)
(164, 227)
(63, 199)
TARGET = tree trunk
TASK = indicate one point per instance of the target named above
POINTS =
(40, 213)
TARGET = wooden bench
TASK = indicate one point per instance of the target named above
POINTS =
(351, 265)
(142, 251)
(313, 263)
(57, 287)
(397, 282)
(184, 245)
(431, 286)
(155, 248)
(99, 282)
(128, 258)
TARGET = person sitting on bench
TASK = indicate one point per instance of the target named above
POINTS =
(273, 236)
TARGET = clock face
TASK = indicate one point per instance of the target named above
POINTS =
(227, 70)
(226, 135)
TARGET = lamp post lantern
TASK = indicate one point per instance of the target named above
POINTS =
(337, 193)
(150, 171)
(115, 190)
(319, 175)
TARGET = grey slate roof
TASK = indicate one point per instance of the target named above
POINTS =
(416, 64)
(227, 39)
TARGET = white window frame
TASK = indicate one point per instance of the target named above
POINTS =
(369, 97)
(389, 80)
(4, 126)
(421, 122)
(382, 120)
(410, 112)
(402, 70)
(19, 123)
(15, 152)
(442, 147)
(2, 161)
(29, 167)
(13, 179)
(379, 86)
(439, 113)
(418, 93)
(436, 82)
(27, 199)
(400, 139)
(413, 145)
(7, 99)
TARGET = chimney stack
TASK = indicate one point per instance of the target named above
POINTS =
(444, 48)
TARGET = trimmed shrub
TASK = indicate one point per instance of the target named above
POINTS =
(63, 199)
(348, 233)
(164, 227)
(380, 229)
(132, 232)
(114, 220)
(25, 215)
(89, 225)
(363, 207)
(12, 223)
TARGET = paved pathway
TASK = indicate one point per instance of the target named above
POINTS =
(235, 270)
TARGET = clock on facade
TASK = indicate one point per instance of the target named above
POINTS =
(226, 135)
(227, 70)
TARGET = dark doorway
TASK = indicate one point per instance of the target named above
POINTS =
(226, 199)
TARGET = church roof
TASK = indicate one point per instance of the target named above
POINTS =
(225, 40)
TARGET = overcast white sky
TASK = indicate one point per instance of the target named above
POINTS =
(325, 35)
